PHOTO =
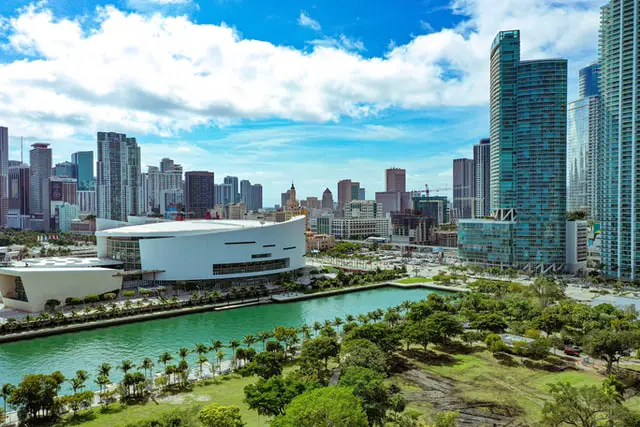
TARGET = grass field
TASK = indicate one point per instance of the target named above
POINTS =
(412, 280)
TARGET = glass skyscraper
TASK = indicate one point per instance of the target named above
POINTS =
(619, 151)
(589, 81)
(482, 176)
(84, 160)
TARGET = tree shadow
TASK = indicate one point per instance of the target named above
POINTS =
(430, 357)
(505, 359)
(458, 347)
(79, 418)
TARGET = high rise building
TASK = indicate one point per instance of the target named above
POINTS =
(347, 191)
(155, 181)
(118, 188)
(463, 187)
(223, 194)
(396, 180)
(256, 197)
(589, 81)
(87, 201)
(251, 195)
(245, 190)
(284, 198)
(482, 174)
(292, 202)
(65, 169)
(166, 164)
(620, 170)
(40, 164)
(19, 187)
(84, 162)
(327, 199)
(362, 194)
(528, 128)
(4, 176)
(355, 190)
(198, 193)
(235, 194)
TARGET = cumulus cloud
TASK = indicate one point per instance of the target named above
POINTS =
(340, 42)
(161, 75)
(305, 20)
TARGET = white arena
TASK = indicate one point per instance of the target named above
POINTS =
(208, 253)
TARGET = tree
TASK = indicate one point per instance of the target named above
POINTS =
(35, 397)
(610, 346)
(492, 322)
(270, 397)
(494, 343)
(249, 340)
(126, 366)
(587, 406)
(7, 389)
(146, 365)
(363, 353)
(417, 333)
(78, 401)
(368, 386)
(323, 407)
(547, 290)
(442, 326)
(264, 336)
(51, 304)
(321, 348)
(220, 357)
(165, 358)
(381, 334)
(266, 365)
(548, 321)
(234, 345)
(217, 415)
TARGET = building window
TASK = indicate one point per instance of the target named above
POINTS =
(268, 246)
(21, 295)
(250, 267)
(254, 256)
(288, 248)
(239, 243)
(126, 250)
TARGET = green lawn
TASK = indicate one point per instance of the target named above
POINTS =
(412, 280)
(480, 377)
(224, 392)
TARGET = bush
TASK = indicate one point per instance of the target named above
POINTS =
(109, 296)
(129, 294)
(91, 298)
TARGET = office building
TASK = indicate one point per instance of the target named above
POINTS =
(166, 164)
(65, 169)
(118, 186)
(198, 193)
(87, 201)
(412, 227)
(393, 201)
(463, 188)
(347, 191)
(155, 181)
(251, 195)
(62, 189)
(589, 81)
(363, 209)
(395, 180)
(223, 194)
(362, 194)
(40, 164)
(482, 176)
(355, 191)
(436, 207)
(233, 181)
(4, 176)
(84, 165)
(284, 199)
(577, 244)
(171, 203)
(528, 125)
(292, 201)
(19, 187)
(65, 213)
(487, 243)
(620, 91)
(311, 203)
(327, 199)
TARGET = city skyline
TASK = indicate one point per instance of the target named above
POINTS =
(263, 145)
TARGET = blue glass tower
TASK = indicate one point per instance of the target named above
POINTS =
(589, 81)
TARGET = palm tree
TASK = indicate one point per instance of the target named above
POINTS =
(183, 353)
(146, 365)
(363, 318)
(337, 322)
(406, 305)
(305, 330)
(350, 318)
(316, 327)
(233, 345)
(201, 349)
(7, 389)
(83, 376)
(241, 354)
(202, 359)
(264, 336)
(102, 381)
(126, 366)
(165, 358)
(216, 345)
(220, 357)
(249, 340)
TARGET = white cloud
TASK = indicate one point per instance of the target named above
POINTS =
(426, 26)
(155, 74)
(305, 20)
(341, 42)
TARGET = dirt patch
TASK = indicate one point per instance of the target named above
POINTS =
(441, 393)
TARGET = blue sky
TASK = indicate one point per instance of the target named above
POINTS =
(273, 91)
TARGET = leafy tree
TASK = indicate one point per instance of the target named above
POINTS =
(368, 386)
(270, 397)
(173, 418)
(588, 406)
(492, 322)
(547, 290)
(548, 321)
(323, 407)
(494, 343)
(51, 304)
(78, 401)
(381, 334)
(539, 349)
(35, 397)
(266, 365)
(363, 353)
(610, 346)
(442, 326)
(321, 348)
(446, 419)
(418, 333)
(217, 415)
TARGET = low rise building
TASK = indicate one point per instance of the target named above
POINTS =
(446, 238)
(360, 228)
(319, 242)
(486, 242)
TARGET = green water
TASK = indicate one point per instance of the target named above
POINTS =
(88, 349)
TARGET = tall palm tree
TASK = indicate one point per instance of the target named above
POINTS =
(264, 336)
(183, 353)
(350, 318)
(102, 382)
(216, 345)
(316, 327)
(305, 330)
(146, 365)
(338, 322)
(202, 359)
(126, 366)
(104, 369)
(82, 376)
(220, 357)
(363, 318)
(201, 349)
(7, 389)
(249, 340)
(165, 358)
(233, 345)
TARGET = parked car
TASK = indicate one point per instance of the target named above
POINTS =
(572, 350)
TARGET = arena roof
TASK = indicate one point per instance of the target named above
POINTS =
(174, 228)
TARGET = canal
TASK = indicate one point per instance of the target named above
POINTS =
(88, 349)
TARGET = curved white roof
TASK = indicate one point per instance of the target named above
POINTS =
(191, 227)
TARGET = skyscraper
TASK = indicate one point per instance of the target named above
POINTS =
(345, 194)
(155, 181)
(251, 195)
(4, 175)
(463, 187)
(620, 170)
(84, 162)
(166, 164)
(362, 194)
(256, 196)
(119, 188)
(528, 128)
(19, 187)
(482, 175)
(66, 169)
(327, 199)
(396, 180)
(233, 180)
(40, 164)
(198, 193)
(589, 81)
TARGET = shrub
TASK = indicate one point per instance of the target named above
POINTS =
(109, 296)
(129, 294)
(92, 298)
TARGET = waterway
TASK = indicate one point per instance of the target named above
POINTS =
(88, 349)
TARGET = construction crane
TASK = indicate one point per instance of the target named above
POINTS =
(428, 190)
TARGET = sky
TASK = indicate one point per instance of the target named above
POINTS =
(274, 91)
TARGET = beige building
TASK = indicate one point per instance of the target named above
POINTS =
(319, 242)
